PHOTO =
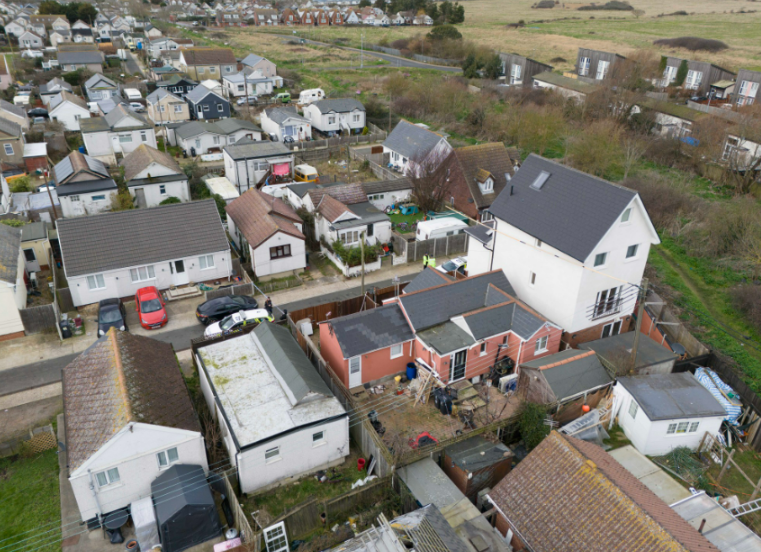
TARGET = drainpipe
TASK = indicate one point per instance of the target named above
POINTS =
(518, 358)
(95, 494)
(493, 246)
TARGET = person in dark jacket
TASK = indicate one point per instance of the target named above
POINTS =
(268, 306)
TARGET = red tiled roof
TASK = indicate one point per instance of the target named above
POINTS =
(568, 494)
(259, 216)
(348, 194)
(331, 208)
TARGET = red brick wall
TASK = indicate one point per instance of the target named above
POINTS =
(650, 329)
(592, 333)
(34, 163)
(553, 344)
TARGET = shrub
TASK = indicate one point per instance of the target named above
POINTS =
(20, 184)
(171, 200)
(665, 202)
(692, 43)
(443, 32)
(747, 300)
(13, 223)
(558, 60)
(531, 424)
(544, 5)
(401, 44)
(613, 5)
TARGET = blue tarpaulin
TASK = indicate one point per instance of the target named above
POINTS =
(715, 386)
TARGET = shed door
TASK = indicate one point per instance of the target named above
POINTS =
(276, 538)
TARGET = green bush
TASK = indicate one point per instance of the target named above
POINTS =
(531, 425)
(443, 32)
(20, 184)
(13, 223)
(170, 200)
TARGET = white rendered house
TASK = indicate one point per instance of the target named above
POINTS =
(119, 132)
(279, 419)
(119, 437)
(153, 176)
(285, 121)
(573, 246)
(410, 146)
(336, 116)
(660, 412)
(12, 286)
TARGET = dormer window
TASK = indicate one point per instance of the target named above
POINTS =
(487, 186)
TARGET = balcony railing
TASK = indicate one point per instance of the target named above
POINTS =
(606, 308)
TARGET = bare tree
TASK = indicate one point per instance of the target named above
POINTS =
(429, 175)
(742, 151)
(634, 148)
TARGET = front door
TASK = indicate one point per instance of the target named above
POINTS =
(32, 265)
(457, 371)
(355, 372)
(179, 275)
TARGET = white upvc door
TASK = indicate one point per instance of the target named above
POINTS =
(179, 274)
(457, 362)
(355, 372)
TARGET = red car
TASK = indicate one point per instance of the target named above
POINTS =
(150, 307)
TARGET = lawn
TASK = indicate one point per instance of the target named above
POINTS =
(174, 151)
(30, 501)
(734, 483)
(409, 219)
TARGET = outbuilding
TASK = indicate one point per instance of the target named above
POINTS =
(475, 464)
(661, 412)
(652, 358)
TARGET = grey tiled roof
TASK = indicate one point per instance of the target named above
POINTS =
(341, 105)
(503, 318)
(482, 232)
(199, 93)
(10, 128)
(282, 114)
(251, 59)
(223, 128)
(427, 278)
(575, 371)
(572, 211)
(248, 149)
(446, 337)
(111, 241)
(101, 80)
(672, 396)
(396, 185)
(432, 307)
(80, 58)
(10, 242)
(16, 110)
(371, 330)
(289, 360)
(411, 140)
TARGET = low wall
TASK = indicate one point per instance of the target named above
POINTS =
(240, 289)
(415, 250)
(350, 271)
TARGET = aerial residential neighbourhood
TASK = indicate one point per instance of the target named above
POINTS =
(380, 276)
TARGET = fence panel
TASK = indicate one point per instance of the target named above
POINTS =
(242, 289)
(248, 535)
(38, 319)
(65, 301)
(357, 500)
(301, 520)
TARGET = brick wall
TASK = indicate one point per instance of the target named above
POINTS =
(592, 333)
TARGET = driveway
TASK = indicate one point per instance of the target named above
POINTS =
(133, 67)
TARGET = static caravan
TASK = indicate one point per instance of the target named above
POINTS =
(439, 228)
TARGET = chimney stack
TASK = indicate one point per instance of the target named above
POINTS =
(702, 524)
(512, 189)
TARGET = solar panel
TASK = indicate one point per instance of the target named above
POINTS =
(63, 170)
(540, 180)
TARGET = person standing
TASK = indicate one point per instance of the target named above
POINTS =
(268, 306)
(425, 261)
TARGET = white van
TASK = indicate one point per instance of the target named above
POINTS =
(439, 228)
(312, 95)
(133, 94)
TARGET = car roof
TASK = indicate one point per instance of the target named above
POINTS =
(150, 290)
(109, 302)
(256, 313)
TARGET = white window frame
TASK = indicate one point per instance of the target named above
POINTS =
(99, 197)
(165, 455)
(178, 109)
(541, 344)
(332, 120)
(397, 350)
(633, 409)
(693, 80)
(272, 455)
(107, 478)
(584, 65)
(206, 262)
(634, 254)
(318, 438)
(96, 282)
(693, 427)
(143, 136)
(7, 147)
(626, 216)
(516, 74)
(602, 263)
(135, 275)
(125, 138)
(482, 350)
(602, 69)
(220, 107)
(213, 70)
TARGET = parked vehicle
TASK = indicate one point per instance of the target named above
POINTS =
(439, 228)
(111, 314)
(460, 264)
(150, 308)
(312, 95)
(237, 321)
(214, 310)
(305, 173)
(133, 94)
(288, 140)
(38, 112)
(137, 107)
(284, 97)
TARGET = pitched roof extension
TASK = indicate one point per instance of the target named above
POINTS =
(370, 330)
(142, 157)
(411, 141)
(568, 494)
(258, 216)
(209, 56)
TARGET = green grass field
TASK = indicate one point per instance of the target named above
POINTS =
(29, 501)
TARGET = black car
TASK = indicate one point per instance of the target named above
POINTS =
(111, 314)
(216, 309)
(38, 112)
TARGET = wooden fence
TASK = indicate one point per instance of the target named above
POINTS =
(383, 173)
(240, 289)
(414, 250)
(673, 327)
(247, 533)
(38, 319)
(350, 139)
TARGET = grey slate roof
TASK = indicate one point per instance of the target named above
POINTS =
(672, 396)
(483, 232)
(290, 361)
(367, 214)
(572, 211)
(301, 188)
(370, 330)
(54, 86)
(446, 337)
(199, 93)
(648, 352)
(10, 243)
(427, 278)
(341, 105)
(251, 59)
(10, 128)
(429, 308)
(503, 318)
(223, 128)
(159, 94)
(101, 80)
(396, 185)
(16, 110)
(476, 453)
(411, 140)
(579, 372)
(281, 114)
(248, 149)
(80, 58)
(111, 241)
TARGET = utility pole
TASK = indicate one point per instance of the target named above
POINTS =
(362, 253)
(362, 49)
(638, 325)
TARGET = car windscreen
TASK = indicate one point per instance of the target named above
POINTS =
(449, 266)
(109, 316)
(151, 305)
(227, 323)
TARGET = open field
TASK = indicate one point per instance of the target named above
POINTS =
(558, 32)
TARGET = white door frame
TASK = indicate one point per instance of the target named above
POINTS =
(276, 538)
(179, 278)
(355, 379)
(451, 364)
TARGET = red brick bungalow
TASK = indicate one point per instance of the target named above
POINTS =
(457, 329)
